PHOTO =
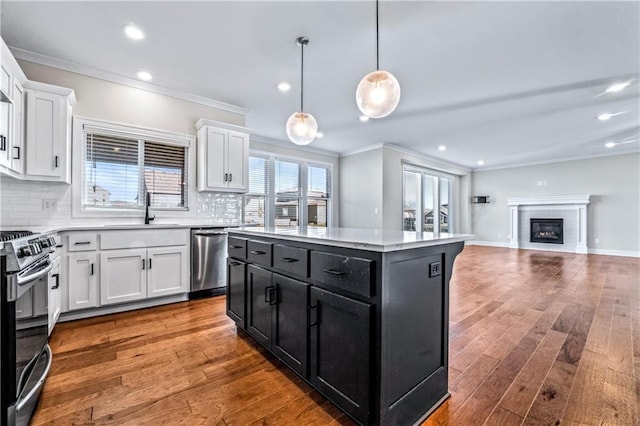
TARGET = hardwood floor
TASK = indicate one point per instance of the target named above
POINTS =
(536, 338)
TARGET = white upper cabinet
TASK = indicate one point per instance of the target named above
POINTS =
(17, 146)
(48, 137)
(223, 157)
(12, 103)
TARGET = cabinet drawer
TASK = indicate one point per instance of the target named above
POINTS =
(259, 252)
(82, 241)
(237, 247)
(291, 259)
(348, 273)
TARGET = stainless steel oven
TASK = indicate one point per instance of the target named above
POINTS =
(25, 355)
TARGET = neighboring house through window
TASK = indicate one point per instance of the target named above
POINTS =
(427, 200)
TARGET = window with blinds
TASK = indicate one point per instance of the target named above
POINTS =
(120, 170)
(285, 193)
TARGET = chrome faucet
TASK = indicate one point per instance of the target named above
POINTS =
(147, 218)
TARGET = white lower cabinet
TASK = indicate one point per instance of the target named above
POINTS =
(82, 280)
(123, 276)
(54, 293)
(167, 271)
(135, 274)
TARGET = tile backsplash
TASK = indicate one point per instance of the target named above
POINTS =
(22, 205)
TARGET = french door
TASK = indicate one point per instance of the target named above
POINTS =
(427, 200)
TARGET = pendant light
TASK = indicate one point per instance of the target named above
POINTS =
(302, 128)
(378, 93)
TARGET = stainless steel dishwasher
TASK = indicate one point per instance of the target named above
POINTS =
(208, 262)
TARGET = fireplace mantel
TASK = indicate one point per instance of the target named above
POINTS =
(550, 202)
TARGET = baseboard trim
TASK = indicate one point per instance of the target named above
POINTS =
(486, 243)
(603, 252)
(624, 253)
(113, 309)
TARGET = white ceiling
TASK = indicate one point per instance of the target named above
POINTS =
(507, 82)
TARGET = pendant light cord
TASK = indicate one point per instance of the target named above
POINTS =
(302, 77)
(377, 41)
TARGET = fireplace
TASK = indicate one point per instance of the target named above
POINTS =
(547, 231)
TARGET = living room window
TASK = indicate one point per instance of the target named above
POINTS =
(121, 165)
(286, 193)
(427, 200)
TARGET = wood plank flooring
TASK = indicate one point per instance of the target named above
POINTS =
(536, 338)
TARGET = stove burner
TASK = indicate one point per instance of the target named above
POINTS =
(12, 235)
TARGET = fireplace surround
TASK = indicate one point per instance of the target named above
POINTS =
(571, 208)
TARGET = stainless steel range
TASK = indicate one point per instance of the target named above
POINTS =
(25, 356)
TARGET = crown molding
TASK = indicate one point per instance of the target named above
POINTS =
(361, 150)
(49, 61)
(437, 163)
(291, 145)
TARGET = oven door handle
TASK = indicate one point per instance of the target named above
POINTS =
(22, 401)
(35, 275)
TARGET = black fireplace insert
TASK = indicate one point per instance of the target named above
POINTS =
(547, 231)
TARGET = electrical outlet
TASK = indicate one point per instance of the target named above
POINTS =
(49, 204)
(375, 210)
(435, 269)
(597, 241)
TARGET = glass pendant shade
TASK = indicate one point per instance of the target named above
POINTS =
(378, 94)
(302, 128)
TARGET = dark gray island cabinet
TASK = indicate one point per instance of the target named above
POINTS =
(361, 315)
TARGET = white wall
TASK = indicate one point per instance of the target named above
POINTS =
(373, 179)
(613, 182)
(104, 100)
(361, 184)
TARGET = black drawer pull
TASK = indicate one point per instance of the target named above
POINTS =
(333, 272)
(91, 269)
(258, 252)
(59, 246)
(236, 247)
(235, 263)
(81, 243)
(289, 259)
(16, 155)
(314, 309)
(57, 277)
(268, 294)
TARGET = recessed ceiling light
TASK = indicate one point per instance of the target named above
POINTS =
(442, 148)
(610, 144)
(608, 115)
(284, 86)
(363, 118)
(133, 32)
(480, 162)
(319, 135)
(144, 76)
(617, 87)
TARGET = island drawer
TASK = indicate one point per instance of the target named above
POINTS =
(237, 247)
(294, 260)
(348, 273)
(259, 252)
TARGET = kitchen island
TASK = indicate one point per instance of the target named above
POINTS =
(362, 315)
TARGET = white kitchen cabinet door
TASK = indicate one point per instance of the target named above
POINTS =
(237, 160)
(54, 293)
(44, 137)
(215, 158)
(123, 276)
(17, 137)
(83, 280)
(167, 271)
(5, 134)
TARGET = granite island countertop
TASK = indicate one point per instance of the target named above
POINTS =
(364, 239)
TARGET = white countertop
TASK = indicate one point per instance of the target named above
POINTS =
(52, 229)
(364, 239)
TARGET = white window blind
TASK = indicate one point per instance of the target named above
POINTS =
(120, 170)
(255, 201)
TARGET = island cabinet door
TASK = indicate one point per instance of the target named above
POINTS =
(290, 300)
(236, 291)
(340, 355)
(259, 296)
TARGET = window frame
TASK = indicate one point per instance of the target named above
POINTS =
(424, 171)
(82, 125)
(304, 187)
